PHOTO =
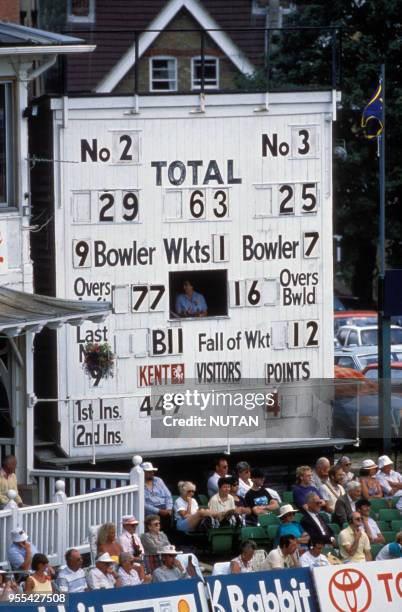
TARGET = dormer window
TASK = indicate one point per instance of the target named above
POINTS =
(163, 73)
(81, 11)
(211, 72)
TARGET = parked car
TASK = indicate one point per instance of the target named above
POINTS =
(360, 318)
(356, 406)
(371, 371)
(358, 357)
(338, 305)
(354, 335)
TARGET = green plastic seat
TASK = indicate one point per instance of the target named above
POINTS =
(389, 514)
(335, 528)
(272, 530)
(221, 540)
(377, 504)
(298, 517)
(375, 549)
(257, 533)
(389, 536)
(383, 525)
(287, 497)
(268, 519)
(202, 500)
(396, 525)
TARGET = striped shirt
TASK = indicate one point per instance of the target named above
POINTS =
(71, 582)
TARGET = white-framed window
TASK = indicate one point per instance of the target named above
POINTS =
(7, 165)
(211, 72)
(81, 11)
(163, 73)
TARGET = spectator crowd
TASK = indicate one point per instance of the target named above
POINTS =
(329, 517)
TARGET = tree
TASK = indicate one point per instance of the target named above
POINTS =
(371, 35)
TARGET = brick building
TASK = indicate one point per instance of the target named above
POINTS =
(229, 34)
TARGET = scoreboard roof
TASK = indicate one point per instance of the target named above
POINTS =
(20, 311)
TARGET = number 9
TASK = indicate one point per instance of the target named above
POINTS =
(82, 251)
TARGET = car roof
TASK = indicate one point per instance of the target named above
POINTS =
(365, 327)
(396, 365)
(356, 350)
(345, 314)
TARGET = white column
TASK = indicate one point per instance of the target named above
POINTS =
(30, 404)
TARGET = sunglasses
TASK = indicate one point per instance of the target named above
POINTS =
(155, 523)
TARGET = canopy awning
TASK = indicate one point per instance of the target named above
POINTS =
(20, 311)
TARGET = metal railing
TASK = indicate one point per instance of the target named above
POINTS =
(265, 52)
(64, 523)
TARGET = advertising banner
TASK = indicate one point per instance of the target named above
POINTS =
(178, 596)
(360, 587)
(277, 591)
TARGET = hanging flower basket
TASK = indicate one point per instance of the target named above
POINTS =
(98, 360)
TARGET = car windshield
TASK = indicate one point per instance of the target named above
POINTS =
(369, 337)
(365, 360)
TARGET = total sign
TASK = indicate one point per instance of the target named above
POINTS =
(211, 234)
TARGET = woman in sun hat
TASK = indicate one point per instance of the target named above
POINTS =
(370, 486)
(289, 526)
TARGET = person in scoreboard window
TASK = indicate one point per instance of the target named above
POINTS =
(190, 303)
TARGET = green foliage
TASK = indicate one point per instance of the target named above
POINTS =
(98, 360)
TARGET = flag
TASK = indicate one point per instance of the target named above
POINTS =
(372, 117)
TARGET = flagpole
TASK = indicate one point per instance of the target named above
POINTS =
(384, 322)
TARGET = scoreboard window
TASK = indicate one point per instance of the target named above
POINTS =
(194, 294)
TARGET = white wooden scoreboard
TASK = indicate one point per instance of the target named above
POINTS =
(238, 201)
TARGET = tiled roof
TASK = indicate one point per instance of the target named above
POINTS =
(14, 35)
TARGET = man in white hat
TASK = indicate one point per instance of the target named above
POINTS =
(21, 551)
(157, 497)
(103, 576)
(389, 479)
(171, 568)
(129, 540)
